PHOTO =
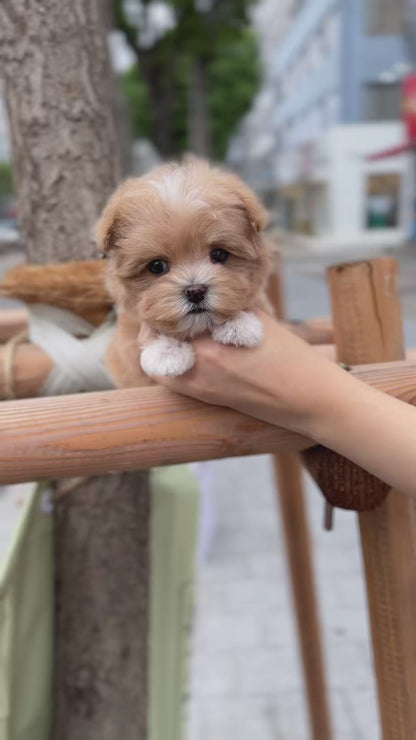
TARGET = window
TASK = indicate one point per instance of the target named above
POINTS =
(383, 102)
(382, 206)
(385, 16)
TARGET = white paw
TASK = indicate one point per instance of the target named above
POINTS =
(167, 356)
(245, 330)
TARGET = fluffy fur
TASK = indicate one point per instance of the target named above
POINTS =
(180, 213)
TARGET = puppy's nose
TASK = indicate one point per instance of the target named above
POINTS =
(196, 293)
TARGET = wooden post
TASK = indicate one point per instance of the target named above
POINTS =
(288, 472)
(368, 328)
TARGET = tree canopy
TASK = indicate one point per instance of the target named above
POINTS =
(168, 38)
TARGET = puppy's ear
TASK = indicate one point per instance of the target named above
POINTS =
(255, 210)
(111, 225)
(107, 229)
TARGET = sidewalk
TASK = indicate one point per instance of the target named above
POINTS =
(247, 680)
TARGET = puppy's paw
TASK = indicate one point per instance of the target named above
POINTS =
(167, 356)
(245, 330)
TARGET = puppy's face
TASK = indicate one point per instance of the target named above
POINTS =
(184, 247)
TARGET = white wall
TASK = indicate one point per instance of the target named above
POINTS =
(349, 146)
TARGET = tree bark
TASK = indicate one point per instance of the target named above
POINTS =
(102, 566)
(121, 113)
(199, 124)
(55, 62)
(56, 68)
(159, 78)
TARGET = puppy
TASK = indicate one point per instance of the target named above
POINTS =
(187, 257)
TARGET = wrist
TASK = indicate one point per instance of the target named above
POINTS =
(332, 405)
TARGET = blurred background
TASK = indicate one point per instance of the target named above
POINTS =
(313, 103)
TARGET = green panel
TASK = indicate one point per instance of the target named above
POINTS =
(174, 538)
(26, 626)
(26, 611)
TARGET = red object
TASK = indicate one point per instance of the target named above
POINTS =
(409, 117)
(409, 107)
(393, 152)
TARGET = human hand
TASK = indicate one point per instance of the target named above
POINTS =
(288, 383)
(283, 381)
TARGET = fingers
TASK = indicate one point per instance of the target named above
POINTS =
(175, 384)
(181, 384)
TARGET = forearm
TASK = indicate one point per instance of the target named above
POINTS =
(370, 428)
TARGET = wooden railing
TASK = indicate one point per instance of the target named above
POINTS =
(94, 433)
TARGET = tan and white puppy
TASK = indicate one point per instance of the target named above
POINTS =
(186, 256)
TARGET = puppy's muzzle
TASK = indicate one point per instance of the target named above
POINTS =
(196, 293)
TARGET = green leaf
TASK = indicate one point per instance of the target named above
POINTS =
(223, 39)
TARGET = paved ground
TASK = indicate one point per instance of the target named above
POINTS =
(307, 293)
(247, 682)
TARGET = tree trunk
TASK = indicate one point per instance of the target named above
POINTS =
(199, 124)
(121, 113)
(55, 62)
(102, 566)
(124, 131)
(56, 68)
(159, 78)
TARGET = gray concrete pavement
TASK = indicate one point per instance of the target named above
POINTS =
(307, 292)
(247, 681)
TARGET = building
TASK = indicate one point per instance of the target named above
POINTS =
(337, 75)
(253, 149)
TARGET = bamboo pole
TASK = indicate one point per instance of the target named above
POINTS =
(368, 328)
(31, 366)
(136, 428)
(290, 493)
(313, 331)
(133, 429)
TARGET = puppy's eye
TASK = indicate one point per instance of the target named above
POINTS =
(219, 255)
(159, 267)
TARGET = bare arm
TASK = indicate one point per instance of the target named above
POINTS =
(287, 383)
